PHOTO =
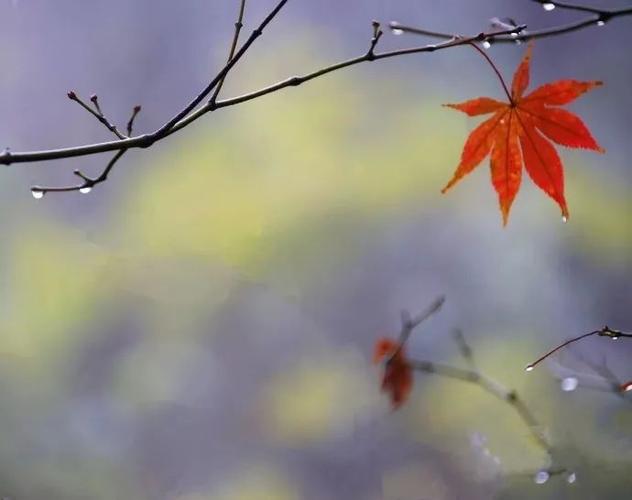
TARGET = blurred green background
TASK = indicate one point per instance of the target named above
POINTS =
(201, 326)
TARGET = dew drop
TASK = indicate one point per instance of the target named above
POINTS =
(37, 194)
(514, 35)
(529, 368)
(601, 22)
(569, 384)
(548, 6)
(564, 219)
(397, 31)
(85, 190)
(627, 387)
(571, 478)
(615, 337)
(541, 477)
(487, 44)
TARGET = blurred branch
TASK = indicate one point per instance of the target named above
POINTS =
(474, 376)
(595, 17)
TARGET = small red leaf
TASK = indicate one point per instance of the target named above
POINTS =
(397, 379)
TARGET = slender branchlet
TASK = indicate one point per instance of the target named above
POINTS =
(594, 17)
(239, 24)
(96, 112)
(377, 34)
(130, 122)
(603, 332)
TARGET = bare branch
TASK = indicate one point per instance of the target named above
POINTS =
(86, 186)
(164, 130)
(233, 46)
(377, 34)
(604, 332)
(130, 123)
(596, 17)
(97, 113)
(146, 140)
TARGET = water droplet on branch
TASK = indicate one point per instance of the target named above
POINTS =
(37, 194)
(548, 6)
(541, 477)
(85, 190)
(569, 384)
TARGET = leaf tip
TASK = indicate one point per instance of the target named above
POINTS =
(565, 214)
(505, 215)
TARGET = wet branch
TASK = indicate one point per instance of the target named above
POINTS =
(603, 332)
(197, 107)
(594, 17)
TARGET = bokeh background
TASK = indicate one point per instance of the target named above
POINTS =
(201, 326)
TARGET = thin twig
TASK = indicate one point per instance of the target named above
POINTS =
(233, 46)
(97, 113)
(130, 123)
(408, 324)
(88, 182)
(164, 130)
(464, 348)
(604, 332)
(377, 34)
(597, 17)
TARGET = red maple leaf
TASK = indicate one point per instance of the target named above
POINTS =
(397, 380)
(520, 131)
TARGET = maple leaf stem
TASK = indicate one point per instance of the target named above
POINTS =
(491, 63)
(604, 332)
